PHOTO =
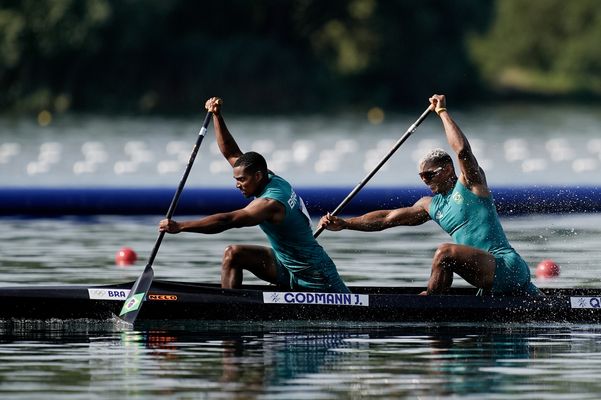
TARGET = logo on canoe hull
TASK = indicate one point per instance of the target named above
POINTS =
(331, 299)
(107, 294)
(585, 302)
(162, 297)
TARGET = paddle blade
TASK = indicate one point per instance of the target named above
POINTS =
(133, 303)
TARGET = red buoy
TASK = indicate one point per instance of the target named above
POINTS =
(547, 269)
(125, 256)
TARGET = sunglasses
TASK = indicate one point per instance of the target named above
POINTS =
(429, 175)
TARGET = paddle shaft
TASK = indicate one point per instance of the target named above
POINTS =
(133, 303)
(357, 188)
(182, 183)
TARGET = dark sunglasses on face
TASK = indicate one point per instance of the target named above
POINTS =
(429, 175)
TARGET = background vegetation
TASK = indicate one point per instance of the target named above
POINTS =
(167, 56)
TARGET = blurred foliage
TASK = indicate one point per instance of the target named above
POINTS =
(265, 56)
(41, 44)
(543, 46)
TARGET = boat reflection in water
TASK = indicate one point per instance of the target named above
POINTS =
(294, 360)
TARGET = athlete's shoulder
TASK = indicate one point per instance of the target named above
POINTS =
(278, 180)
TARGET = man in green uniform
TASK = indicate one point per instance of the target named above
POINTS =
(463, 207)
(295, 260)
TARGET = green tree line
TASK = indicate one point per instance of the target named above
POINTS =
(167, 56)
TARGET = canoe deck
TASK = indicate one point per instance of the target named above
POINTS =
(199, 301)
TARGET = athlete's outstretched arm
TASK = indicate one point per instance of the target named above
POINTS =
(379, 220)
(258, 211)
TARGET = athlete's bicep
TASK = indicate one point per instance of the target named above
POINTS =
(416, 214)
(258, 211)
(421, 210)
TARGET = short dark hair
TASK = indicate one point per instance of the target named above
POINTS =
(252, 162)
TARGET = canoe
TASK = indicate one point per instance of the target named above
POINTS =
(168, 300)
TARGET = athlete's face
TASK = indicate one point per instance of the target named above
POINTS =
(434, 175)
(248, 183)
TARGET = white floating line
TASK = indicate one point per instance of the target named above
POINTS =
(169, 167)
(125, 167)
(92, 147)
(36, 167)
(219, 167)
(49, 157)
(10, 149)
(84, 167)
(177, 147)
(263, 146)
(346, 146)
(51, 147)
(325, 165)
(584, 165)
(594, 146)
(534, 165)
(301, 150)
(97, 157)
(280, 156)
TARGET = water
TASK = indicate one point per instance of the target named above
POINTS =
(516, 144)
(81, 250)
(297, 360)
(294, 360)
(285, 361)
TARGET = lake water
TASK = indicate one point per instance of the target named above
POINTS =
(517, 144)
(297, 360)
(216, 361)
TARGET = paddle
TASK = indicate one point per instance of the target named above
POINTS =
(357, 188)
(136, 297)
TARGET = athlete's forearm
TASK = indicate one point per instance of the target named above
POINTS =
(227, 145)
(456, 138)
(216, 223)
(370, 222)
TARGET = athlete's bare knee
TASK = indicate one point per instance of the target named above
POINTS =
(230, 255)
(444, 255)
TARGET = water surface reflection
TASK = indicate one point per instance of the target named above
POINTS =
(294, 360)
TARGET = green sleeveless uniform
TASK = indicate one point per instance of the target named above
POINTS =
(303, 263)
(473, 221)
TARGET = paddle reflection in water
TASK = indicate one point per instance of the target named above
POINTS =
(277, 360)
